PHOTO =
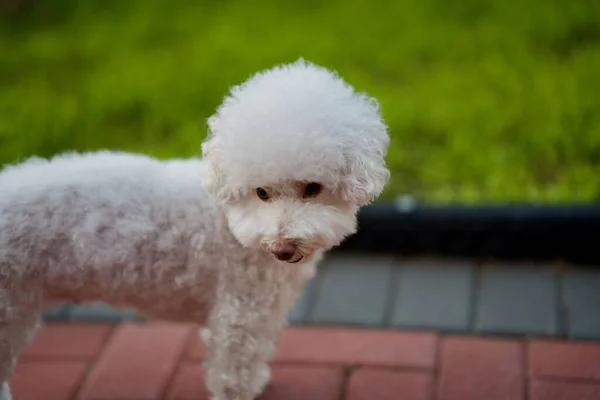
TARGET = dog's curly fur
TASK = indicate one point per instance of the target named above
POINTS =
(291, 155)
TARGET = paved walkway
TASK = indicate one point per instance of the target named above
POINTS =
(152, 361)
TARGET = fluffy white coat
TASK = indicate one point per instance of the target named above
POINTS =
(226, 241)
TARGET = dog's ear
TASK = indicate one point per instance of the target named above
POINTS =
(365, 178)
(366, 174)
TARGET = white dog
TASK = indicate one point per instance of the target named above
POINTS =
(226, 241)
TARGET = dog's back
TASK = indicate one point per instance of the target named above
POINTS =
(104, 222)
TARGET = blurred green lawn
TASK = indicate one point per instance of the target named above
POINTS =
(487, 100)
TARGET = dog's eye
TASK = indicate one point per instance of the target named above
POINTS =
(262, 194)
(312, 190)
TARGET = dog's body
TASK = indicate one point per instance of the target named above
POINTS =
(86, 231)
(152, 239)
(226, 242)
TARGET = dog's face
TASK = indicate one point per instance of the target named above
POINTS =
(293, 153)
(291, 220)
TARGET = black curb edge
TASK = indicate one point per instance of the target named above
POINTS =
(568, 233)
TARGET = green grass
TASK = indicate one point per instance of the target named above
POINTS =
(486, 100)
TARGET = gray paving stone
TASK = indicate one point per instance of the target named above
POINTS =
(352, 290)
(518, 300)
(59, 312)
(102, 312)
(433, 294)
(581, 291)
(299, 312)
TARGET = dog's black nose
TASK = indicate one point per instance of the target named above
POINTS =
(283, 251)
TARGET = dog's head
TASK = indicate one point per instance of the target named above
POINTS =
(293, 153)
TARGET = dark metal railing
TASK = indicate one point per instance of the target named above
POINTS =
(569, 233)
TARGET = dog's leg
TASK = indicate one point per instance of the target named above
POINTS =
(237, 358)
(5, 391)
(16, 330)
(263, 375)
(244, 326)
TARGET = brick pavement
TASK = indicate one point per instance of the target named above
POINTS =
(159, 361)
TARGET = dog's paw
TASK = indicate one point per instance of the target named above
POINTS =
(258, 385)
(262, 380)
(5, 391)
(205, 335)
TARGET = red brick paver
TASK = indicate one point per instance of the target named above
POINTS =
(365, 347)
(68, 340)
(47, 381)
(476, 369)
(162, 362)
(553, 359)
(137, 363)
(196, 348)
(564, 391)
(368, 384)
